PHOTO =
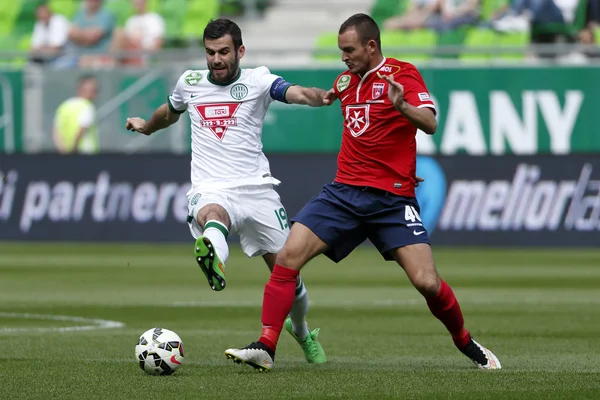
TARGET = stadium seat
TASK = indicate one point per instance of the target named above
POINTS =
(327, 41)
(199, 12)
(421, 39)
(479, 38)
(418, 39)
(9, 10)
(121, 9)
(25, 18)
(153, 6)
(5, 26)
(12, 43)
(489, 7)
(231, 7)
(7, 42)
(384, 9)
(68, 8)
(392, 39)
(173, 12)
(453, 38)
(514, 39)
(485, 38)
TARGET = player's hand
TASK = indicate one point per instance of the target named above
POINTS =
(395, 90)
(329, 97)
(136, 124)
(418, 180)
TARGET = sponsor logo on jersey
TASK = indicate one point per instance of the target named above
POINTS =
(389, 69)
(239, 91)
(343, 83)
(216, 112)
(378, 89)
(193, 78)
(424, 96)
(218, 117)
(357, 119)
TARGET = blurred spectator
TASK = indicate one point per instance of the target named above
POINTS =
(75, 128)
(523, 13)
(143, 31)
(456, 13)
(499, 9)
(91, 34)
(418, 14)
(587, 34)
(50, 34)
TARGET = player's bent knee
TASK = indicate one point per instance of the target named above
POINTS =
(301, 246)
(427, 283)
(214, 212)
(291, 257)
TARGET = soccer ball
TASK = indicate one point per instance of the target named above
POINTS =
(159, 351)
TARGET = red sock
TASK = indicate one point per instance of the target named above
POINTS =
(445, 307)
(277, 303)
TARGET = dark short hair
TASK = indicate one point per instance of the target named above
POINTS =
(365, 27)
(217, 28)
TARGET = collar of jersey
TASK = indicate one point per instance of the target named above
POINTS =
(226, 83)
(378, 67)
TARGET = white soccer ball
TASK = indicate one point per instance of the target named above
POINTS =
(159, 351)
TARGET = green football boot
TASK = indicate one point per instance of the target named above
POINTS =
(313, 351)
(209, 263)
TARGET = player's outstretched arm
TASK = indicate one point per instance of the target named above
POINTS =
(313, 97)
(422, 118)
(162, 118)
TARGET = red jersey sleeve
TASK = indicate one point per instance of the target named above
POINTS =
(415, 91)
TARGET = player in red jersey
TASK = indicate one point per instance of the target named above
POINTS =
(384, 102)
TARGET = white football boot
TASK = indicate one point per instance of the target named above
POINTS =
(482, 357)
(256, 354)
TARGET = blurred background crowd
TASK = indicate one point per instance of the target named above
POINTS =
(105, 33)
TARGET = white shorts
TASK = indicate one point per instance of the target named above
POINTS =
(256, 214)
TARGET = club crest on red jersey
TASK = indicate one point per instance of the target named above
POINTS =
(218, 117)
(378, 89)
(357, 119)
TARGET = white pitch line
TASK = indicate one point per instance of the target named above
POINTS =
(91, 323)
(389, 302)
(248, 303)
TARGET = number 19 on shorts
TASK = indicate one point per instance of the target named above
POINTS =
(282, 217)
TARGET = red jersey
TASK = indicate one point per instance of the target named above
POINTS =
(379, 148)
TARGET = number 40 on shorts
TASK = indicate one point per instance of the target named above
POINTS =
(282, 217)
(411, 214)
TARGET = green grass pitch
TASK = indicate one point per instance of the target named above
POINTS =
(538, 310)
